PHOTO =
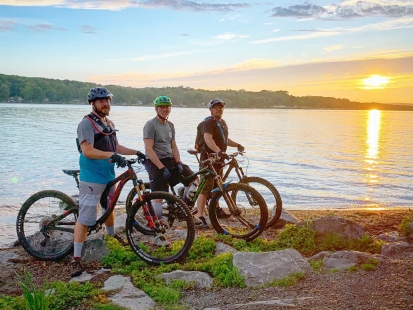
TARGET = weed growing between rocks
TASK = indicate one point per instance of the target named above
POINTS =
(57, 295)
(304, 241)
(36, 299)
(405, 227)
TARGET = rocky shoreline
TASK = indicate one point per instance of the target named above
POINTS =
(389, 286)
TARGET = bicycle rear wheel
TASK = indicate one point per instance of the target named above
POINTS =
(45, 225)
(246, 211)
(271, 196)
(168, 243)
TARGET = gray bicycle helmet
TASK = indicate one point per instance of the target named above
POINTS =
(215, 102)
(98, 93)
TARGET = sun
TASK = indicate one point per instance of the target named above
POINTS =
(375, 82)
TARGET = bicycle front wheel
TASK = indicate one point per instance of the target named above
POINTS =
(45, 225)
(239, 211)
(271, 196)
(171, 240)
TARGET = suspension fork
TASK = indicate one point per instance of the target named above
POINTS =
(148, 210)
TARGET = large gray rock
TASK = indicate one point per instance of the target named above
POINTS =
(95, 248)
(5, 256)
(333, 224)
(222, 248)
(342, 260)
(395, 249)
(318, 256)
(201, 279)
(129, 296)
(262, 268)
(285, 218)
(392, 236)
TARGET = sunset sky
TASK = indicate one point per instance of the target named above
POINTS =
(360, 50)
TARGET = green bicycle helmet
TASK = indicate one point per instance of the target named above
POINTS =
(162, 101)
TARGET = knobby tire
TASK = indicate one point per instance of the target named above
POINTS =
(271, 196)
(37, 236)
(180, 232)
(249, 218)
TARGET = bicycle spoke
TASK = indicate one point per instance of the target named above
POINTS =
(44, 232)
(271, 196)
(170, 239)
(245, 208)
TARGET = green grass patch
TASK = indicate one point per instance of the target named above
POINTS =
(404, 227)
(12, 303)
(290, 280)
(316, 264)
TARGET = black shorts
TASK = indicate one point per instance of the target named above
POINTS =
(156, 178)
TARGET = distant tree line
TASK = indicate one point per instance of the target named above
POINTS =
(40, 90)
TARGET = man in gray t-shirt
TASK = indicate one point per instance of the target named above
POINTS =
(164, 164)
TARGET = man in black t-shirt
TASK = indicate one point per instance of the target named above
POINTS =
(215, 133)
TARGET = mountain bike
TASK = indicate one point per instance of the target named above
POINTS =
(46, 220)
(264, 187)
(247, 208)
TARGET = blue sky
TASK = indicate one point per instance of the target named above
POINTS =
(320, 48)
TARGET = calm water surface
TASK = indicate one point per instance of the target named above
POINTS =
(317, 159)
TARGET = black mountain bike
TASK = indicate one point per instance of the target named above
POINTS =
(45, 222)
(265, 188)
(247, 208)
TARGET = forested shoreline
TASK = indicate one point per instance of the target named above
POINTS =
(20, 89)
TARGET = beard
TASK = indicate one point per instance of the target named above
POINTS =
(102, 112)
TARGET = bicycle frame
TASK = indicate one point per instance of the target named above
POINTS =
(209, 170)
(233, 164)
(122, 179)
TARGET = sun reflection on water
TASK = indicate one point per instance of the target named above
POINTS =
(373, 135)
(373, 146)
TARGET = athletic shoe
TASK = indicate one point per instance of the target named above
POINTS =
(221, 214)
(75, 268)
(160, 241)
(201, 222)
(121, 240)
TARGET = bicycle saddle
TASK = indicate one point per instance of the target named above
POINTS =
(192, 151)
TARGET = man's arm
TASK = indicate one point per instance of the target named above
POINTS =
(175, 151)
(232, 143)
(151, 153)
(89, 151)
(209, 141)
(123, 150)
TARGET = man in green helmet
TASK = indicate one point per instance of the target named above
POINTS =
(164, 165)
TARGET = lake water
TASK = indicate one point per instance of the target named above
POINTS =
(317, 159)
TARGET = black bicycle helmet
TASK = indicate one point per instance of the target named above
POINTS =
(98, 93)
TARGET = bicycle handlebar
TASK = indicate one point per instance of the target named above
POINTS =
(214, 157)
(132, 161)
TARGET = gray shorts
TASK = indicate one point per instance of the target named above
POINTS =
(89, 201)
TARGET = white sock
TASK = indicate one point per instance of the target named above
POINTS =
(158, 208)
(77, 249)
(110, 230)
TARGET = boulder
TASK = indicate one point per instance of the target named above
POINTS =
(337, 225)
(222, 248)
(394, 249)
(342, 260)
(285, 218)
(262, 268)
(201, 279)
